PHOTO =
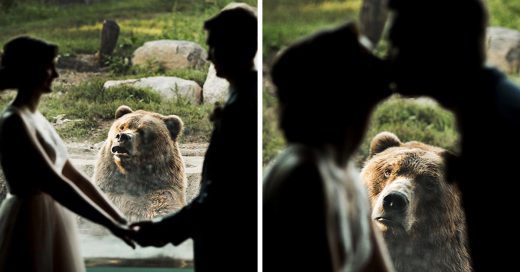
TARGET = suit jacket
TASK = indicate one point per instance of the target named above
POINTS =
(489, 124)
(222, 220)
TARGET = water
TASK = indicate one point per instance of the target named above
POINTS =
(137, 269)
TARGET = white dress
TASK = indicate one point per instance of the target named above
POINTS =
(36, 232)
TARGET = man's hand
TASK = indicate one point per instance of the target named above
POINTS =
(148, 233)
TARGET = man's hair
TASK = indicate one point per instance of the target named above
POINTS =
(459, 23)
(234, 29)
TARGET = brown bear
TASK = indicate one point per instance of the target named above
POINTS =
(139, 166)
(417, 210)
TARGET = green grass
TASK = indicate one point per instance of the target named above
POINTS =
(286, 21)
(93, 107)
(273, 140)
(412, 120)
(76, 29)
(504, 13)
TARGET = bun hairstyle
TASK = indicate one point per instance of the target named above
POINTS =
(23, 59)
(323, 78)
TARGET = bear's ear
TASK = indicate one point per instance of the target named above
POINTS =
(174, 125)
(122, 110)
(382, 141)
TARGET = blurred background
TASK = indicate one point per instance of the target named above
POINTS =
(158, 47)
(420, 119)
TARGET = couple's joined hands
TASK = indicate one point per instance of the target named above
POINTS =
(144, 233)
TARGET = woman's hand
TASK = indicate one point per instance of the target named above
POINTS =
(123, 232)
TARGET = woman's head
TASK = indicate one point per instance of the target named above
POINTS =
(327, 85)
(27, 63)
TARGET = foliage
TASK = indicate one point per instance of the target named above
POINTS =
(412, 120)
(504, 13)
(287, 20)
(91, 108)
(76, 29)
(273, 140)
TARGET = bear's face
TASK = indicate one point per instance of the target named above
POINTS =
(406, 186)
(136, 138)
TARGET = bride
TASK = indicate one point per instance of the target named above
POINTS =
(37, 233)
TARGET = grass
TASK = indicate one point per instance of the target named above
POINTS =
(412, 120)
(286, 21)
(504, 13)
(91, 107)
(76, 29)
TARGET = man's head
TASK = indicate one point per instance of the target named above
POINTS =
(232, 39)
(435, 42)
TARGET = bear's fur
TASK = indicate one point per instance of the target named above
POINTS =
(139, 167)
(415, 207)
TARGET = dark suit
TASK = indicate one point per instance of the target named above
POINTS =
(222, 220)
(489, 123)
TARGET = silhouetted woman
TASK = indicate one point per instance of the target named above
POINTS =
(316, 210)
(36, 232)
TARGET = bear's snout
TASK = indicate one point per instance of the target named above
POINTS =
(395, 202)
(123, 137)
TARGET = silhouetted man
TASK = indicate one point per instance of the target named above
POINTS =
(438, 50)
(222, 220)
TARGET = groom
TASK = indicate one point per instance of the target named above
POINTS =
(222, 220)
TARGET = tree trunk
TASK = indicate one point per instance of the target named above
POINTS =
(109, 36)
(373, 17)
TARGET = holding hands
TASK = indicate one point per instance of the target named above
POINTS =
(148, 233)
(144, 233)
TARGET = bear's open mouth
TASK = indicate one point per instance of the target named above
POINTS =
(384, 220)
(388, 221)
(120, 151)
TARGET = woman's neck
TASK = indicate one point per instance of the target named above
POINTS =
(29, 99)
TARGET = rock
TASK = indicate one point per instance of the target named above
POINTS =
(215, 88)
(503, 49)
(167, 87)
(170, 55)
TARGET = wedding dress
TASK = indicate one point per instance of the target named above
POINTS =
(36, 232)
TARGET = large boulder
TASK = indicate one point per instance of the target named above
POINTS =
(170, 55)
(503, 49)
(167, 87)
(215, 88)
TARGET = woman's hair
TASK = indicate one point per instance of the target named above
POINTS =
(326, 83)
(23, 60)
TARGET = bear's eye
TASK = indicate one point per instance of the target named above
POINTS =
(387, 172)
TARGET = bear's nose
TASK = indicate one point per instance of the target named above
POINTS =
(123, 137)
(395, 201)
